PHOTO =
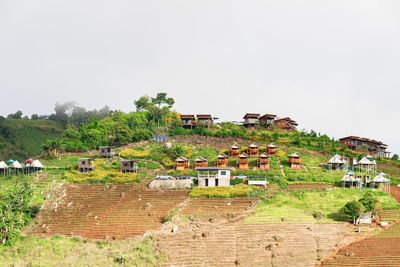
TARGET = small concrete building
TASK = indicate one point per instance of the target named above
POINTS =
(365, 218)
(213, 176)
(128, 166)
(85, 165)
(106, 152)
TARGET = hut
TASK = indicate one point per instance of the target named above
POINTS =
(336, 162)
(106, 152)
(35, 166)
(349, 179)
(213, 176)
(286, 123)
(204, 119)
(85, 165)
(222, 160)
(243, 161)
(382, 182)
(251, 120)
(295, 161)
(272, 149)
(253, 150)
(200, 162)
(182, 163)
(365, 165)
(128, 166)
(16, 166)
(188, 121)
(235, 151)
(3, 167)
(263, 162)
(365, 218)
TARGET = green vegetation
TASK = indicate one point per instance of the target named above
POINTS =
(21, 139)
(222, 192)
(63, 251)
(15, 210)
(300, 205)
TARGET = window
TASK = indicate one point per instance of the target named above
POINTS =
(223, 172)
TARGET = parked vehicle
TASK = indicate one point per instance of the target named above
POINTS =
(164, 177)
(240, 176)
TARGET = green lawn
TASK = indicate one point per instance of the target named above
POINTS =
(298, 206)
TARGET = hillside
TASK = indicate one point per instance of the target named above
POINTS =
(21, 139)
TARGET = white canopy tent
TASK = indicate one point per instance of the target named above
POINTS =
(367, 166)
(383, 181)
(336, 162)
(349, 178)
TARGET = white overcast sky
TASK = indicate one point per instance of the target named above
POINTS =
(334, 66)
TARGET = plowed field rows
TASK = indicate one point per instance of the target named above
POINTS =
(216, 206)
(253, 245)
(109, 211)
(382, 249)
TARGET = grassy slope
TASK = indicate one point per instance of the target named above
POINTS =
(62, 251)
(298, 206)
(25, 137)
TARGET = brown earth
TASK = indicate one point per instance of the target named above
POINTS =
(236, 244)
(101, 211)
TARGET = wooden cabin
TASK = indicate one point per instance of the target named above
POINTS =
(267, 120)
(205, 119)
(222, 160)
(85, 164)
(128, 166)
(253, 150)
(188, 121)
(251, 120)
(372, 147)
(182, 163)
(263, 162)
(286, 123)
(272, 149)
(200, 162)
(243, 161)
(106, 152)
(235, 151)
(295, 161)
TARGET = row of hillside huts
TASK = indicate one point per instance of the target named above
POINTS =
(14, 167)
(263, 161)
(251, 121)
(87, 165)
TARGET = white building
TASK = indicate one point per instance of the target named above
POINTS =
(214, 176)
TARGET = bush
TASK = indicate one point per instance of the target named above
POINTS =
(317, 215)
(369, 201)
(353, 208)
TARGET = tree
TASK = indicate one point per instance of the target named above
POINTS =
(34, 117)
(395, 157)
(368, 201)
(353, 209)
(143, 103)
(17, 115)
(161, 99)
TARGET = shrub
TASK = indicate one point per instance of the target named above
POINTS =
(317, 215)
(353, 208)
(369, 201)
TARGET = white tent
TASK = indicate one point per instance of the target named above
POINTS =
(3, 165)
(16, 165)
(349, 178)
(381, 179)
(37, 164)
(365, 165)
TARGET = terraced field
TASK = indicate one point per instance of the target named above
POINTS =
(252, 245)
(382, 249)
(216, 206)
(108, 211)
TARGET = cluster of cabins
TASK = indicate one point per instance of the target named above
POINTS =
(87, 164)
(372, 147)
(253, 151)
(251, 121)
(14, 167)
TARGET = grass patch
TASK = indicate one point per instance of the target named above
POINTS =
(300, 206)
(62, 251)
